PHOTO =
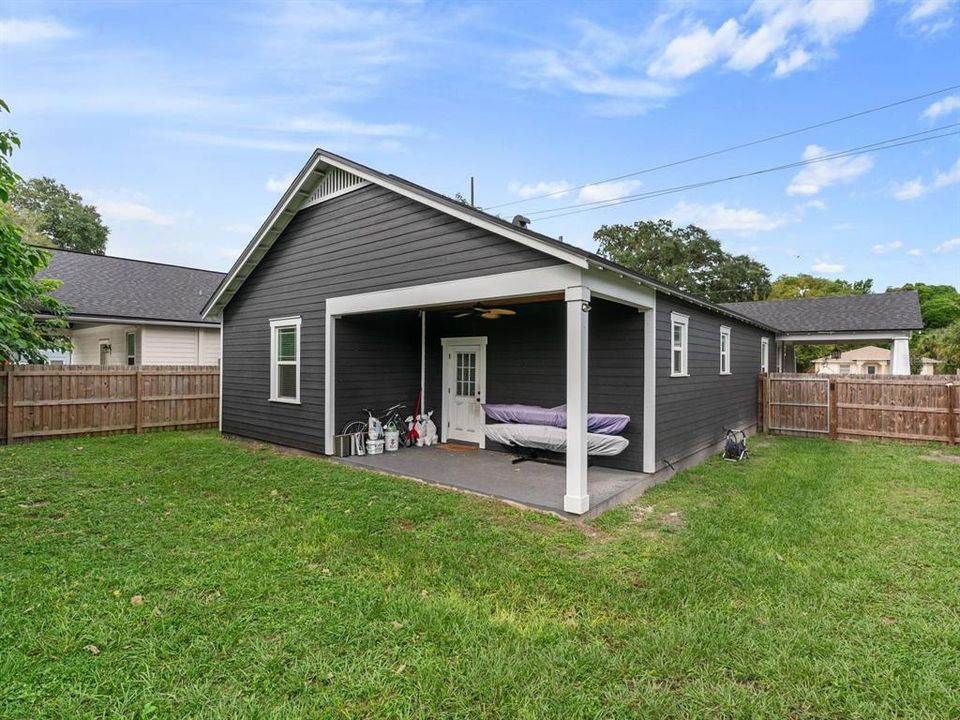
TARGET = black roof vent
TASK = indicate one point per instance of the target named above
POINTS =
(521, 221)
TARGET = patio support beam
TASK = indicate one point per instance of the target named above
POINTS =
(900, 356)
(577, 500)
(650, 390)
(329, 381)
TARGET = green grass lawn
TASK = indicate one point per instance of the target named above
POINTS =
(181, 575)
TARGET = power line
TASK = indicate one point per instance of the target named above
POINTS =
(863, 149)
(741, 146)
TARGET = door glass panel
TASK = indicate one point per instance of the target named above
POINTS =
(466, 374)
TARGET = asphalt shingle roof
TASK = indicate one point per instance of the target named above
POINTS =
(846, 313)
(100, 285)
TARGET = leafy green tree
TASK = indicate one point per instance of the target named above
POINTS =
(789, 287)
(61, 215)
(685, 257)
(941, 343)
(24, 296)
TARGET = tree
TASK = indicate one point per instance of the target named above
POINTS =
(24, 335)
(61, 215)
(941, 343)
(789, 287)
(685, 257)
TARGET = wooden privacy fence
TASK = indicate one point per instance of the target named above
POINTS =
(896, 407)
(42, 401)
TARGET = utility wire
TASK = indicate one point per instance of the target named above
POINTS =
(873, 147)
(722, 151)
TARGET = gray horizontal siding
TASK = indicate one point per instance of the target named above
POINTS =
(693, 411)
(367, 240)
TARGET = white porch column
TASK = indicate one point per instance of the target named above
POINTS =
(577, 500)
(329, 382)
(650, 390)
(900, 356)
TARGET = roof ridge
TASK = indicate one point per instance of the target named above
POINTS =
(118, 257)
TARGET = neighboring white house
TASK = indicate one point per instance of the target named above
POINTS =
(869, 360)
(133, 312)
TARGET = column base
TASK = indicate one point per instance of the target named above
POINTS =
(576, 504)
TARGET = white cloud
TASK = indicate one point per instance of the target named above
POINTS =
(942, 107)
(607, 191)
(690, 53)
(132, 211)
(948, 246)
(816, 176)
(916, 252)
(240, 229)
(719, 216)
(884, 248)
(338, 125)
(794, 61)
(912, 189)
(229, 253)
(24, 32)
(950, 177)
(909, 190)
(930, 16)
(278, 184)
(554, 188)
(816, 204)
(827, 266)
(794, 34)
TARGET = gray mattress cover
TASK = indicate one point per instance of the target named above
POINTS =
(547, 437)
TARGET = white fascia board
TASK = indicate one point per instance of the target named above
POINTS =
(609, 285)
(820, 338)
(495, 228)
(487, 287)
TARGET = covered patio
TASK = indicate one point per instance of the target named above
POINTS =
(567, 319)
(493, 474)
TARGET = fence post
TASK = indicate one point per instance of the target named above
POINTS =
(10, 405)
(761, 383)
(951, 415)
(139, 401)
(832, 408)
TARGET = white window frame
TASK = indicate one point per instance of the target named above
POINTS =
(764, 355)
(724, 354)
(684, 322)
(275, 325)
(126, 347)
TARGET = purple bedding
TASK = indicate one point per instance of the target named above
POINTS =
(600, 423)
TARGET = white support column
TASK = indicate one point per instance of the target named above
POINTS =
(900, 356)
(329, 382)
(650, 390)
(423, 361)
(577, 500)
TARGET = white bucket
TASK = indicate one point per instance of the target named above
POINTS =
(391, 439)
(374, 447)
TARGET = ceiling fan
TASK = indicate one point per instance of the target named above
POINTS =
(486, 313)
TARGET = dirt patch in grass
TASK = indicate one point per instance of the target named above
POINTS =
(937, 457)
(673, 519)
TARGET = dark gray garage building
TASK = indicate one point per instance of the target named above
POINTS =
(362, 288)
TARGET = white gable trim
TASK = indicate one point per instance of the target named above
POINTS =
(335, 182)
(301, 191)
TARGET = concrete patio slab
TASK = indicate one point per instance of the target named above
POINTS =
(487, 472)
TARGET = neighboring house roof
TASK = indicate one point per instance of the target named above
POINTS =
(321, 162)
(868, 353)
(846, 313)
(100, 286)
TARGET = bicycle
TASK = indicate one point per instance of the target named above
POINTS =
(373, 427)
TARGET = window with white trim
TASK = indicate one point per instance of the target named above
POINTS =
(679, 329)
(724, 350)
(285, 360)
(764, 354)
(131, 346)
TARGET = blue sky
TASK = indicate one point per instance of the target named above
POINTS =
(183, 122)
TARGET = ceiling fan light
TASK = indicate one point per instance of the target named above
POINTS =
(502, 311)
(490, 316)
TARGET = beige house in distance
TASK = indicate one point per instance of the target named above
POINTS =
(869, 360)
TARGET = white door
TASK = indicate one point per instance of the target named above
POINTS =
(464, 382)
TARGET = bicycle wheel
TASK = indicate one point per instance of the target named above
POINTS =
(353, 427)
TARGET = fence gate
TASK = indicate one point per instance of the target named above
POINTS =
(797, 405)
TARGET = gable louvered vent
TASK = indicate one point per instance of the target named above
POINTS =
(335, 182)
